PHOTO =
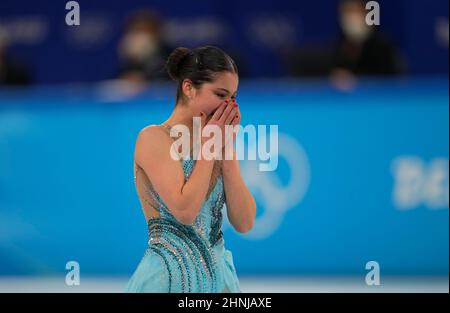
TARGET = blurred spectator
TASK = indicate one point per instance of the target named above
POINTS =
(362, 49)
(308, 60)
(142, 49)
(12, 71)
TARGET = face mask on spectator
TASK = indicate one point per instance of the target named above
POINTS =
(137, 46)
(354, 27)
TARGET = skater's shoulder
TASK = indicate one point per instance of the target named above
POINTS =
(152, 130)
(153, 135)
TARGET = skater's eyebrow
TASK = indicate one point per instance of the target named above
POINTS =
(227, 91)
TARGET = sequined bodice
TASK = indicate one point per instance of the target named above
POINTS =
(187, 251)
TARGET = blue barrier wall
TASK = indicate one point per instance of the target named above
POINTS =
(361, 176)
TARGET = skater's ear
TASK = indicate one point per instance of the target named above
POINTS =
(188, 89)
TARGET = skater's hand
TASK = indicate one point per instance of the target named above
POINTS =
(226, 114)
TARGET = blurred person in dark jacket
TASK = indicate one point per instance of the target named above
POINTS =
(12, 71)
(362, 50)
(142, 49)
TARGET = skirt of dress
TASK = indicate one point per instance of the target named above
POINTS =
(152, 275)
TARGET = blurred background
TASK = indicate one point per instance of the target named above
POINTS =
(363, 119)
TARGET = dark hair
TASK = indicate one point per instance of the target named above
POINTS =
(362, 3)
(199, 65)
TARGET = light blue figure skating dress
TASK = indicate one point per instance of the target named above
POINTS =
(179, 257)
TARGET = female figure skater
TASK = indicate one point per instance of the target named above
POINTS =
(182, 199)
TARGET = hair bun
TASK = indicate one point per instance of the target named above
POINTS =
(174, 60)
